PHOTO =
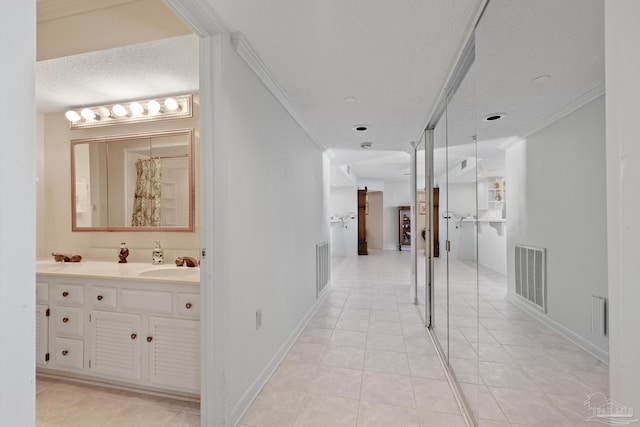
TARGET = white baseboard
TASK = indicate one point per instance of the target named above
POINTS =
(597, 352)
(242, 406)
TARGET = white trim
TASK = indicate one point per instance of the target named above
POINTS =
(576, 104)
(250, 56)
(213, 399)
(581, 342)
(245, 401)
(198, 15)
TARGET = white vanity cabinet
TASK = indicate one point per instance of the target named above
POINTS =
(174, 353)
(143, 334)
(115, 345)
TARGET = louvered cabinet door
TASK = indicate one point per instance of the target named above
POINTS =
(174, 353)
(115, 345)
(42, 335)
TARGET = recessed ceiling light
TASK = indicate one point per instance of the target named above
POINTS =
(360, 128)
(541, 79)
(366, 145)
(350, 99)
(493, 117)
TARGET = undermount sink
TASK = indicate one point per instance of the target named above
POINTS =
(169, 272)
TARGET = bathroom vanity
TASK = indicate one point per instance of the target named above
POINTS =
(133, 325)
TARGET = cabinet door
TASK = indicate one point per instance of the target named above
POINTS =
(174, 353)
(42, 335)
(115, 345)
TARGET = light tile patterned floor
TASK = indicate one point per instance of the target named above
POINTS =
(365, 360)
(513, 369)
(68, 404)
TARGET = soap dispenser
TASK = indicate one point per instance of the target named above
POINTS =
(157, 255)
(123, 254)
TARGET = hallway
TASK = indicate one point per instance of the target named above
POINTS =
(365, 360)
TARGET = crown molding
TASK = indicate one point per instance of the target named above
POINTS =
(249, 55)
(574, 105)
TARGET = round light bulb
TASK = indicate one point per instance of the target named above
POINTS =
(87, 114)
(153, 107)
(136, 108)
(104, 112)
(119, 110)
(171, 104)
(72, 116)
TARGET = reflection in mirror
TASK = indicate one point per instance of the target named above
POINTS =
(462, 233)
(137, 182)
(440, 317)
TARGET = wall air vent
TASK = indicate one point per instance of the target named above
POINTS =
(322, 266)
(531, 275)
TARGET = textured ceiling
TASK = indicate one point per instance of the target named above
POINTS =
(140, 71)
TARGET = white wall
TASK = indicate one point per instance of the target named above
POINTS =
(395, 194)
(274, 216)
(374, 220)
(557, 201)
(40, 184)
(492, 246)
(623, 197)
(17, 214)
(344, 237)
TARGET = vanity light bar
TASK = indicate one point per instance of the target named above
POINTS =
(174, 107)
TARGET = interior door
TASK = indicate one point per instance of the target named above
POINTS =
(362, 222)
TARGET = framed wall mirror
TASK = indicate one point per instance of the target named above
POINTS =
(138, 182)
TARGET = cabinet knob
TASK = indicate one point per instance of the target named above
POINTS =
(65, 294)
(99, 297)
(65, 319)
(188, 305)
(65, 352)
(133, 336)
(149, 339)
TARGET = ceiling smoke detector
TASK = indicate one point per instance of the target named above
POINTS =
(366, 145)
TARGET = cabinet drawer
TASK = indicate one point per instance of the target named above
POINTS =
(188, 305)
(42, 292)
(104, 297)
(69, 353)
(69, 321)
(69, 294)
(148, 301)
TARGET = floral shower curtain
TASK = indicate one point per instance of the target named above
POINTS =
(147, 198)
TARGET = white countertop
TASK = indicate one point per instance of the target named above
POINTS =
(147, 272)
